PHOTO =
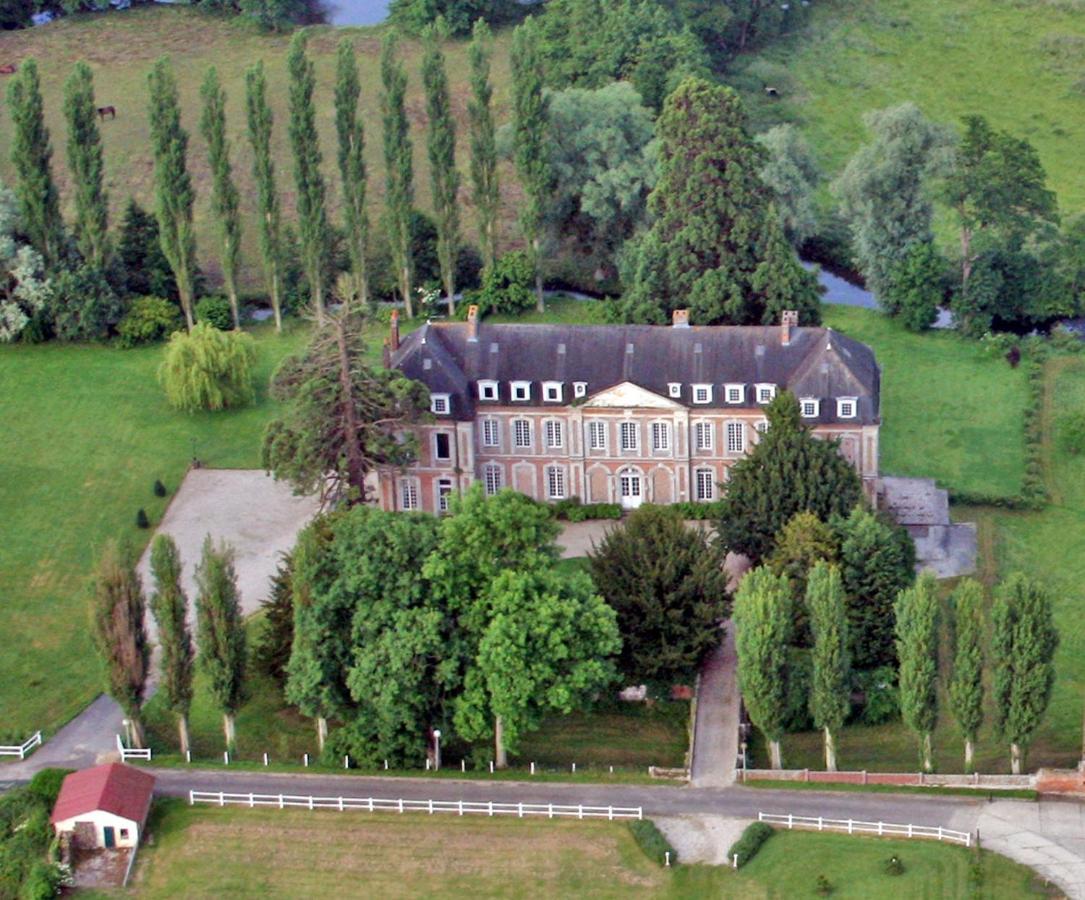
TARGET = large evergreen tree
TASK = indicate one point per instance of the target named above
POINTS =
(715, 243)
(259, 118)
(485, 191)
(352, 172)
(31, 157)
(667, 584)
(966, 682)
(441, 149)
(917, 647)
(398, 169)
(762, 622)
(85, 161)
(225, 201)
(313, 227)
(117, 610)
(174, 194)
(1023, 644)
(531, 147)
(220, 633)
(831, 687)
(787, 472)
(170, 608)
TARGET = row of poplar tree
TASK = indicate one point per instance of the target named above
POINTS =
(175, 195)
(1020, 654)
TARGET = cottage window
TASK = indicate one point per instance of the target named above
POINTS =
(555, 482)
(706, 484)
(491, 475)
(629, 435)
(597, 435)
(703, 435)
(521, 432)
(521, 390)
(810, 407)
(736, 437)
(552, 391)
(661, 437)
(702, 393)
(490, 433)
(408, 494)
(735, 393)
(765, 393)
(487, 390)
(846, 406)
(442, 446)
(554, 434)
(439, 404)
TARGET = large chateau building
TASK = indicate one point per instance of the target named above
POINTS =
(619, 413)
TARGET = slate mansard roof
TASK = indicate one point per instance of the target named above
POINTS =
(817, 362)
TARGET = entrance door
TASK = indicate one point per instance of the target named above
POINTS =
(630, 488)
(107, 834)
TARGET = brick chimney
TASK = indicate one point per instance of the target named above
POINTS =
(788, 319)
(472, 323)
(680, 318)
(393, 331)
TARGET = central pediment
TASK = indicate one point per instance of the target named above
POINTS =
(628, 395)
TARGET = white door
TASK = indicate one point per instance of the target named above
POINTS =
(630, 488)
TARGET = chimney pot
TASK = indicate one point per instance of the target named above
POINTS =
(788, 319)
(680, 318)
(472, 322)
(393, 331)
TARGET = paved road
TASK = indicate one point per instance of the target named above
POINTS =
(715, 745)
(80, 743)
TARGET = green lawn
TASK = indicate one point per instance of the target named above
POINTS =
(86, 432)
(1020, 63)
(202, 852)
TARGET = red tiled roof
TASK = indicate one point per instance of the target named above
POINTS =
(116, 788)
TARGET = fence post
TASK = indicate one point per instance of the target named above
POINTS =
(401, 804)
(880, 831)
(431, 807)
(533, 768)
(790, 821)
(580, 810)
(864, 776)
(849, 826)
(191, 798)
(265, 759)
(819, 823)
(346, 761)
(188, 756)
(519, 810)
(371, 804)
(222, 799)
(252, 800)
(226, 757)
(939, 831)
(550, 809)
(667, 858)
(491, 767)
(281, 804)
(463, 765)
(461, 807)
(610, 813)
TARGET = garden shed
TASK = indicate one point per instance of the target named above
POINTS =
(104, 807)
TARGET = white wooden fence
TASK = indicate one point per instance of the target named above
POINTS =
(128, 753)
(459, 807)
(854, 826)
(24, 749)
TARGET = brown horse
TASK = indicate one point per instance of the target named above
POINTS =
(8, 69)
(104, 111)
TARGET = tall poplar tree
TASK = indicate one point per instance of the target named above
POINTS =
(220, 633)
(225, 201)
(260, 122)
(31, 157)
(917, 648)
(829, 694)
(352, 171)
(312, 215)
(966, 683)
(85, 161)
(531, 145)
(485, 191)
(398, 168)
(174, 194)
(762, 622)
(1023, 644)
(117, 610)
(170, 608)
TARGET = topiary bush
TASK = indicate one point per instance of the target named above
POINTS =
(159, 488)
(747, 846)
(215, 311)
(653, 842)
(894, 866)
(141, 519)
(208, 369)
(148, 320)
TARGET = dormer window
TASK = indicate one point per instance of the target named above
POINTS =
(487, 390)
(580, 389)
(735, 393)
(810, 407)
(765, 392)
(440, 404)
(702, 393)
(674, 389)
(521, 390)
(846, 407)
(552, 391)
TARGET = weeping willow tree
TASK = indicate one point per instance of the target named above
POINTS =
(208, 369)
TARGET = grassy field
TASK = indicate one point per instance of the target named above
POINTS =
(121, 48)
(86, 432)
(1018, 62)
(200, 852)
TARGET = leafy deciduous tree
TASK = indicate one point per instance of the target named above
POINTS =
(792, 172)
(85, 161)
(484, 182)
(398, 168)
(263, 174)
(917, 647)
(829, 695)
(966, 682)
(24, 289)
(352, 171)
(170, 608)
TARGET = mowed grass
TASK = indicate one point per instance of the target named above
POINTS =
(1021, 64)
(86, 433)
(122, 47)
(203, 852)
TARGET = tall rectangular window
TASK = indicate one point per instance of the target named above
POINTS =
(444, 493)
(554, 436)
(661, 436)
(442, 446)
(706, 484)
(408, 494)
(597, 435)
(736, 437)
(703, 434)
(629, 435)
(555, 482)
(521, 432)
(491, 475)
(490, 434)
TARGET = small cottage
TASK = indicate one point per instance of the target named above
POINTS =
(104, 807)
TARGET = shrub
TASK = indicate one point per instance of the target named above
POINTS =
(573, 510)
(508, 286)
(208, 369)
(149, 320)
(823, 886)
(83, 306)
(1072, 432)
(159, 488)
(881, 699)
(699, 511)
(747, 846)
(141, 519)
(215, 311)
(893, 866)
(653, 842)
(45, 785)
(1013, 356)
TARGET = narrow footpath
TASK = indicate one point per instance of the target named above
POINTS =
(715, 738)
